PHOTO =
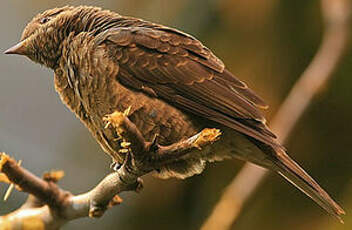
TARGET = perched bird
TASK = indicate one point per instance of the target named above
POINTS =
(173, 84)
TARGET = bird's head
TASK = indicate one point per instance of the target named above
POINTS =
(43, 37)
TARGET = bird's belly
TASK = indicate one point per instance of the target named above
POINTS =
(151, 115)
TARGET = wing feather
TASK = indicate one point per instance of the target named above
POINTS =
(166, 63)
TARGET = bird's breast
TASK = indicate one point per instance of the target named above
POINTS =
(93, 97)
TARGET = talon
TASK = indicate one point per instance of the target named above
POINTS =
(125, 144)
(127, 111)
(108, 123)
(107, 119)
(96, 212)
(154, 145)
(115, 166)
(139, 185)
(124, 151)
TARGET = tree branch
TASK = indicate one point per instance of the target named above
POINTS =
(50, 207)
(336, 14)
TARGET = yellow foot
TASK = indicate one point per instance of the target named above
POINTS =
(206, 136)
(116, 118)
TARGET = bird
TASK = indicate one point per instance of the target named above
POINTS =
(172, 85)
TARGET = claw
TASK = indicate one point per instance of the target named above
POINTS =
(154, 144)
(127, 111)
(108, 123)
(96, 212)
(139, 185)
(123, 151)
(125, 144)
(115, 166)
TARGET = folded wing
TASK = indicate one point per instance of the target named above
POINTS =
(178, 69)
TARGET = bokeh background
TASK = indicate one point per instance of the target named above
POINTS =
(267, 43)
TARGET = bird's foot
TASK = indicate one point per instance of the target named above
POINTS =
(115, 166)
(116, 118)
(154, 146)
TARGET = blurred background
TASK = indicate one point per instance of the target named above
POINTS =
(267, 43)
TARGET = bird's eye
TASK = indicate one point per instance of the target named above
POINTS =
(44, 20)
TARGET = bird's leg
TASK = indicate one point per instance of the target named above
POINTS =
(148, 156)
(132, 139)
(161, 155)
(124, 150)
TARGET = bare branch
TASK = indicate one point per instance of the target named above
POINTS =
(336, 14)
(49, 207)
(46, 191)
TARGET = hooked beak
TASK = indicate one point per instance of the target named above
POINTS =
(19, 49)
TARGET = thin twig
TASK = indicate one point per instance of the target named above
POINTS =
(45, 191)
(336, 14)
(9, 190)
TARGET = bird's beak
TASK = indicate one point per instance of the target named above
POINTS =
(19, 49)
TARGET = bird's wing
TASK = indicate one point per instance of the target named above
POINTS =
(177, 68)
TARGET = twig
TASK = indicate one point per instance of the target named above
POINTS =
(49, 207)
(9, 190)
(45, 191)
(336, 14)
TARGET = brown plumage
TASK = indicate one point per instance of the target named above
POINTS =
(175, 86)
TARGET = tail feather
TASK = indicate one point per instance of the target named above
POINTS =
(291, 171)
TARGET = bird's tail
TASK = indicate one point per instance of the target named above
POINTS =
(291, 171)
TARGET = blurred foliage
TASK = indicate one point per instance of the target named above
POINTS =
(267, 43)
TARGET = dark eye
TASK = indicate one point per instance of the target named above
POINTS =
(44, 20)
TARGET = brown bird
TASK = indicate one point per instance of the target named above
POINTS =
(174, 85)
